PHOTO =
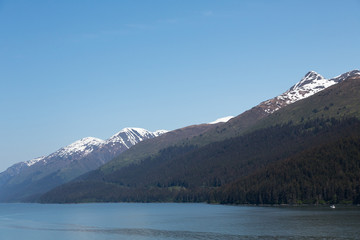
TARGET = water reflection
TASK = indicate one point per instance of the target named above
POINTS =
(175, 221)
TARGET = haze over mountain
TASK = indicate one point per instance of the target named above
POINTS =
(27, 179)
(199, 167)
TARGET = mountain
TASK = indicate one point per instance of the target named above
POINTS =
(27, 179)
(309, 85)
(151, 148)
(336, 102)
(312, 83)
(237, 170)
(209, 165)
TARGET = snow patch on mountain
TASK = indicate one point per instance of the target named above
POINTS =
(35, 160)
(159, 132)
(222, 120)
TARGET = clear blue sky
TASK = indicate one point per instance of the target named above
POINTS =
(76, 68)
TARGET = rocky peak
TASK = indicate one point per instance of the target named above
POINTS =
(309, 78)
(309, 85)
(346, 75)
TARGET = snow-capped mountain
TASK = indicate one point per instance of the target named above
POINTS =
(25, 180)
(130, 136)
(75, 151)
(116, 144)
(309, 85)
(71, 161)
(80, 148)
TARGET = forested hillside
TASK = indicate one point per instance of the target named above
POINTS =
(326, 173)
(307, 152)
(233, 171)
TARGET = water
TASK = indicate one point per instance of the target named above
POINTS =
(175, 222)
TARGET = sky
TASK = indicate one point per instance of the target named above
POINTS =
(71, 69)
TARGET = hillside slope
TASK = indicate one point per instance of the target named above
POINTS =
(188, 172)
(219, 173)
(312, 83)
(326, 173)
(309, 85)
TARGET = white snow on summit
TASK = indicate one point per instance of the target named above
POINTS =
(311, 84)
(83, 146)
(126, 138)
(131, 136)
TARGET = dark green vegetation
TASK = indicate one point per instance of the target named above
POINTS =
(327, 173)
(307, 152)
(234, 171)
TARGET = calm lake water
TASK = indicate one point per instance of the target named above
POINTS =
(175, 221)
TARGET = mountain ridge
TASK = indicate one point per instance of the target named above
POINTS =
(86, 145)
(70, 161)
(110, 175)
(241, 123)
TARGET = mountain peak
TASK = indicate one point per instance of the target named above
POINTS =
(313, 74)
(128, 137)
(310, 78)
(129, 129)
(87, 141)
(310, 84)
(83, 146)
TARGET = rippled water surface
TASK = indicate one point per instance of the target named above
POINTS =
(175, 221)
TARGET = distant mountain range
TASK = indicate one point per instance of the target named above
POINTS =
(26, 180)
(243, 159)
